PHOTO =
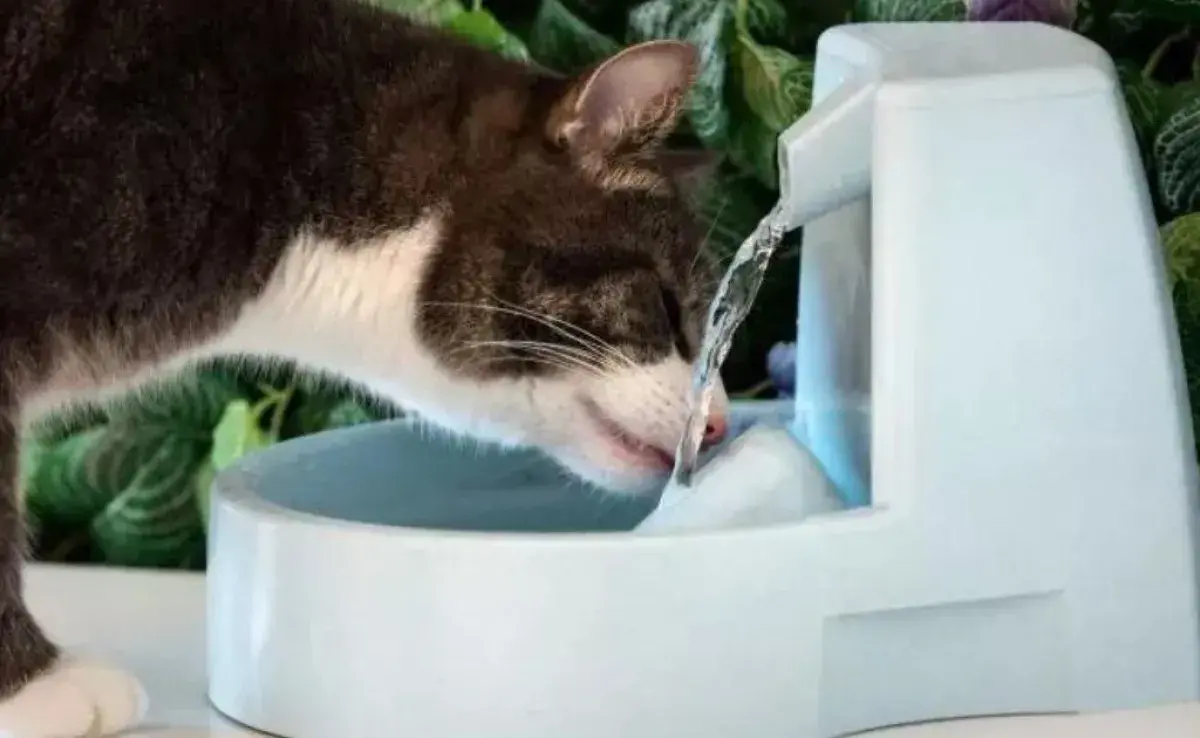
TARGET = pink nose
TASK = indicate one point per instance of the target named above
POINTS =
(714, 432)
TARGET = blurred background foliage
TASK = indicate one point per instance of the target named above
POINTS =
(127, 484)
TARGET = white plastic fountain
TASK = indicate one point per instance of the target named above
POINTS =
(989, 372)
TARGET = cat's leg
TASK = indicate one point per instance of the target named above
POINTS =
(41, 694)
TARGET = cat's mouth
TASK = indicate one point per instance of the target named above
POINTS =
(625, 444)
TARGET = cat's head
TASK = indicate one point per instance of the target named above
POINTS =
(569, 292)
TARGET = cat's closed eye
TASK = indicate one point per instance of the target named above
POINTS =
(674, 313)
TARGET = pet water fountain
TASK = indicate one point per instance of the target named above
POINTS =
(988, 372)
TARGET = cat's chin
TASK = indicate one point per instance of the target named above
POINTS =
(614, 477)
(619, 432)
(608, 456)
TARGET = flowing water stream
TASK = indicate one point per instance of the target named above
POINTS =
(734, 298)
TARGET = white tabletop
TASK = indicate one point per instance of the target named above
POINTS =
(152, 624)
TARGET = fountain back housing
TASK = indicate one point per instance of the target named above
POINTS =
(985, 275)
(988, 368)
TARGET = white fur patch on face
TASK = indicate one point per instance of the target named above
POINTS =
(352, 311)
(647, 407)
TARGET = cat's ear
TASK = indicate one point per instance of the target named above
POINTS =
(628, 102)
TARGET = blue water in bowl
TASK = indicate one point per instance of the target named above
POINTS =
(395, 474)
(399, 474)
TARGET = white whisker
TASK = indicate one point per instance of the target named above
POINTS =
(559, 326)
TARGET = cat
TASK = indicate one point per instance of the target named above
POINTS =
(504, 251)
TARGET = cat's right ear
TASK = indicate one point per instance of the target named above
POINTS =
(626, 104)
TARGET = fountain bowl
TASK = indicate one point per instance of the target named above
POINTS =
(386, 575)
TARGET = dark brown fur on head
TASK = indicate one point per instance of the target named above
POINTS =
(573, 210)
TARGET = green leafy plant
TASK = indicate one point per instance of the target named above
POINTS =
(129, 484)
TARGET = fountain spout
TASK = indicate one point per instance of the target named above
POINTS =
(825, 157)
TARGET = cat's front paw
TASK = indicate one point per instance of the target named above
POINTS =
(74, 699)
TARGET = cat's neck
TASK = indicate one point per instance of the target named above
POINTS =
(322, 308)
(322, 302)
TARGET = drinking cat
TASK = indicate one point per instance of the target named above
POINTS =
(503, 251)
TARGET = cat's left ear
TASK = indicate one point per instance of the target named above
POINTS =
(627, 103)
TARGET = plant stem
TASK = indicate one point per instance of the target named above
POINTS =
(477, 5)
(739, 17)
(754, 391)
(285, 399)
(67, 545)
(1161, 50)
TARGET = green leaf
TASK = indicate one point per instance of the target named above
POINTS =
(31, 452)
(754, 148)
(1184, 11)
(609, 14)
(588, 7)
(562, 41)
(707, 24)
(1145, 99)
(63, 487)
(202, 488)
(155, 521)
(191, 403)
(310, 413)
(348, 413)
(67, 421)
(1125, 28)
(431, 12)
(1181, 244)
(134, 482)
(76, 478)
(1128, 21)
(33, 528)
(895, 11)
(1179, 96)
(776, 85)
(482, 29)
(314, 412)
(808, 20)
(652, 20)
(766, 19)
(1177, 159)
(772, 89)
(238, 433)
(1122, 17)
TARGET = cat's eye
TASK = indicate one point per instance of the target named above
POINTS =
(675, 319)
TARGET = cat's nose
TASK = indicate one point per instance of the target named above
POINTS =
(716, 429)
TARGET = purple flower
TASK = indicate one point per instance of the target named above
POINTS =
(1054, 12)
(781, 367)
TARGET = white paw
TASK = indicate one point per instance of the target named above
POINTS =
(75, 699)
